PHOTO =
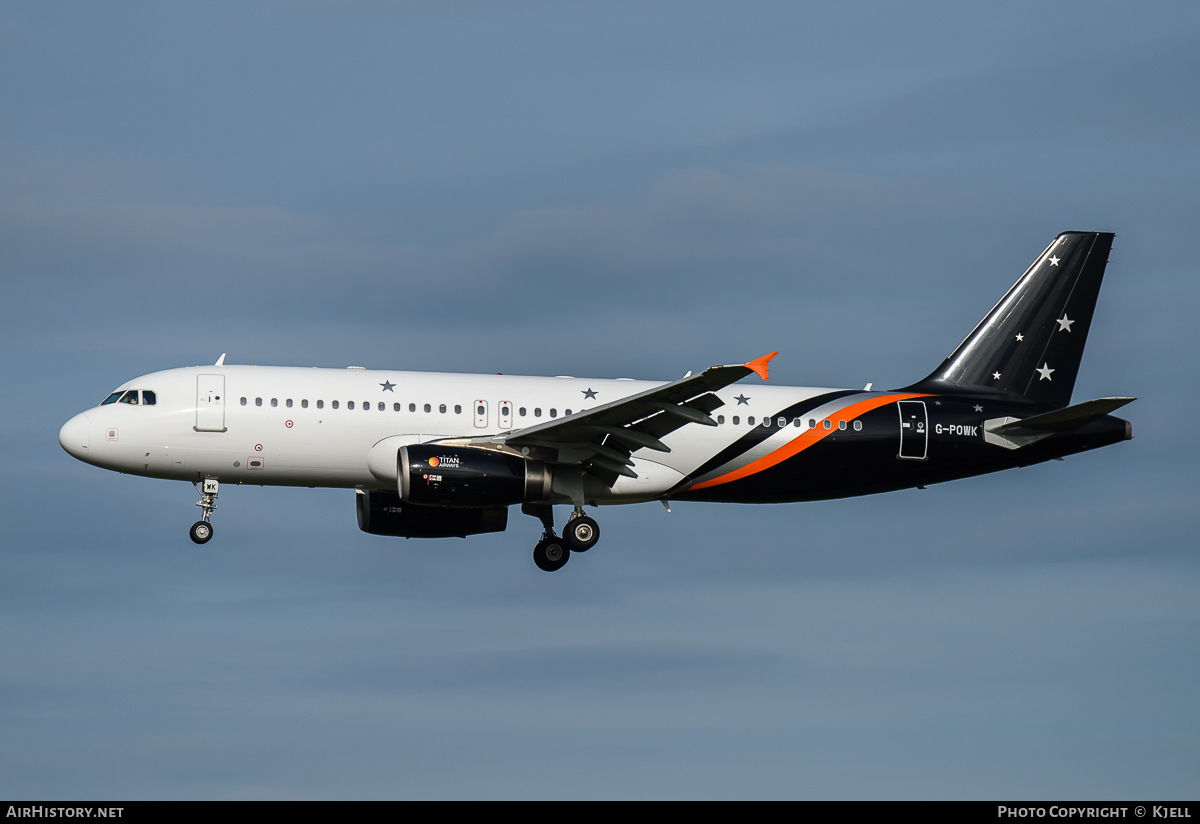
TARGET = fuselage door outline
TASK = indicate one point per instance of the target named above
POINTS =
(914, 431)
(210, 403)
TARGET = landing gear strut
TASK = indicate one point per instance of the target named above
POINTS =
(552, 553)
(202, 531)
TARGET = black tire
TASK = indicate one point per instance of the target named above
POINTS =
(551, 554)
(581, 534)
(201, 532)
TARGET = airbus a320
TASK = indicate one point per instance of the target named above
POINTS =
(436, 455)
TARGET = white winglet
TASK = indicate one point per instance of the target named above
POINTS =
(220, 360)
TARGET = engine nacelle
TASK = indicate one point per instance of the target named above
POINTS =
(464, 476)
(381, 512)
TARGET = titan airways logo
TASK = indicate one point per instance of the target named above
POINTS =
(448, 461)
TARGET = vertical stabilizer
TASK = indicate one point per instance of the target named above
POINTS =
(1031, 343)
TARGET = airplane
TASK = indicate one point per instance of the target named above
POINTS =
(436, 455)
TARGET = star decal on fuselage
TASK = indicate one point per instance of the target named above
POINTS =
(387, 386)
(1053, 261)
(1064, 323)
(978, 408)
(1020, 337)
(588, 393)
(1044, 372)
(742, 399)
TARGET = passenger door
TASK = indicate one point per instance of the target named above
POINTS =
(210, 403)
(914, 430)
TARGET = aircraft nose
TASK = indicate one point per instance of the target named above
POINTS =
(73, 436)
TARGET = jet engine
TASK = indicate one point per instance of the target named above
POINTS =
(464, 476)
(381, 512)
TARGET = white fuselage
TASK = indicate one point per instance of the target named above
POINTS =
(327, 427)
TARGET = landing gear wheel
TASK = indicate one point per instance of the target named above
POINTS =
(551, 554)
(201, 532)
(581, 534)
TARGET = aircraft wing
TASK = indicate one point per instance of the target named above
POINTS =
(602, 439)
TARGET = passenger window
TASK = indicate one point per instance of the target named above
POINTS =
(412, 407)
(782, 422)
(480, 410)
(736, 420)
(720, 419)
(537, 412)
(828, 424)
(842, 425)
(458, 409)
(381, 406)
(428, 408)
(258, 401)
(750, 420)
(858, 426)
(320, 404)
(442, 408)
(796, 422)
(115, 395)
(812, 423)
(334, 404)
(349, 404)
(767, 422)
(521, 411)
(396, 407)
(554, 413)
(243, 401)
(130, 397)
(289, 403)
(304, 404)
(567, 413)
(274, 402)
(150, 399)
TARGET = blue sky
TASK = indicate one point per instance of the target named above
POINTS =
(600, 190)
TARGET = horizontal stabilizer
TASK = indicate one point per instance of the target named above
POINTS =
(1067, 419)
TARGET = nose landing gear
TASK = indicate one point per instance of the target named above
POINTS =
(202, 531)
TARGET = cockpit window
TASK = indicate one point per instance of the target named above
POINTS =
(149, 398)
(130, 397)
(111, 398)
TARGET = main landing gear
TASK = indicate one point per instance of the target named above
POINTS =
(202, 531)
(579, 535)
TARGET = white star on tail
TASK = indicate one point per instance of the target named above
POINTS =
(1053, 261)
(1044, 372)
(995, 376)
(1064, 323)
(1020, 337)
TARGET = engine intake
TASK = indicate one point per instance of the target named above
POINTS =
(381, 512)
(464, 476)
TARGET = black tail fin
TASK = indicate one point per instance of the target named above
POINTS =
(1031, 343)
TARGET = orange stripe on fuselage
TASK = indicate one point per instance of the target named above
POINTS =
(807, 439)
